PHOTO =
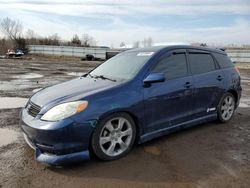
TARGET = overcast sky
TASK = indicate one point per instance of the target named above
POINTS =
(112, 21)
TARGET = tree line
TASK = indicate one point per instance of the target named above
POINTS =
(14, 37)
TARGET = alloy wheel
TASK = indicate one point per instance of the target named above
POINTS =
(116, 136)
(227, 107)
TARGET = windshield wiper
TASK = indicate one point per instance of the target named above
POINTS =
(102, 77)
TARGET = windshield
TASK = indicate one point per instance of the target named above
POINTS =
(123, 66)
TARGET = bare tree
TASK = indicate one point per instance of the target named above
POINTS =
(122, 44)
(203, 44)
(54, 39)
(31, 37)
(111, 45)
(88, 40)
(5, 44)
(144, 43)
(11, 28)
(75, 41)
(30, 34)
(136, 44)
(147, 42)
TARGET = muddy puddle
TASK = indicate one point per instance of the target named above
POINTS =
(78, 74)
(14, 85)
(244, 103)
(12, 102)
(7, 137)
(28, 76)
(36, 90)
(245, 78)
(152, 150)
(245, 81)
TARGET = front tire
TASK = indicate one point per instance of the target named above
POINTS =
(114, 136)
(226, 108)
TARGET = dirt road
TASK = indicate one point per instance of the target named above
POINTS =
(209, 155)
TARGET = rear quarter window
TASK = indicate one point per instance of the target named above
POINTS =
(223, 60)
(201, 63)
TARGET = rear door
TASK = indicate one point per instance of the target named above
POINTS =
(170, 102)
(208, 81)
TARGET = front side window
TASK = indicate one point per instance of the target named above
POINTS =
(173, 66)
(201, 63)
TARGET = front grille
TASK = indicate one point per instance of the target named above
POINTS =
(33, 109)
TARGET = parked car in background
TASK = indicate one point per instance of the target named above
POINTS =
(135, 96)
(19, 53)
(12, 53)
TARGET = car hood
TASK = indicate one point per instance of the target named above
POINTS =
(75, 89)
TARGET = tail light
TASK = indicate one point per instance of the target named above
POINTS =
(237, 69)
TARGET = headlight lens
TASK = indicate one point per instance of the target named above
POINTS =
(64, 110)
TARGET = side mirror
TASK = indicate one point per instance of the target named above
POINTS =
(154, 77)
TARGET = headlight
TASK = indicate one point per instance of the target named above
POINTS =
(64, 110)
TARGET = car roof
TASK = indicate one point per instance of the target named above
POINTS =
(173, 47)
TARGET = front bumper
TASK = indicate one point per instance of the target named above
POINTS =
(56, 159)
(57, 143)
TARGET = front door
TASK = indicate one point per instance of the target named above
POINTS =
(169, 103)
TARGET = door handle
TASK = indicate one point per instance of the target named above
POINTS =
(187, 85)
(219, 77)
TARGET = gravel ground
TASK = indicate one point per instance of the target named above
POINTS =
(209, 155)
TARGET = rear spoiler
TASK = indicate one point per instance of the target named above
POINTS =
(222, 49)
(218, 48)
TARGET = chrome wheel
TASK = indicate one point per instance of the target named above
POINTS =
(227, 107)
(116, 136)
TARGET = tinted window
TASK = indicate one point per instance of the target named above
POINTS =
(223, 60)
(173, 66)
(201, 63)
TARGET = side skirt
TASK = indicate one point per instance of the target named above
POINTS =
(149, 136)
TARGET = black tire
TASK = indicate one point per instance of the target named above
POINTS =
(90, 57)
(101, 126)
(220, 116)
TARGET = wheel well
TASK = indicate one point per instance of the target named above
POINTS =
(235, 94)
(136, 121)
(136, 126)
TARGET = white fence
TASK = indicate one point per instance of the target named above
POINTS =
(236, 54)
(68, 51)
(239, 54)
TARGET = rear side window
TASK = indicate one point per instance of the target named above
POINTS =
(223, 60)
(201, 63)
(173, 66)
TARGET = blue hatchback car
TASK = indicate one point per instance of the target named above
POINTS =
(131, 98)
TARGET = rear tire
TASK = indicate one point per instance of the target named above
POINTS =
(226, 108)
(113, 137)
